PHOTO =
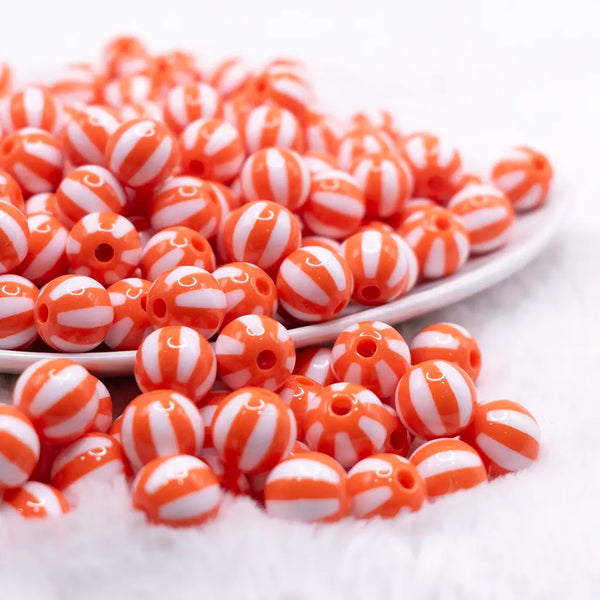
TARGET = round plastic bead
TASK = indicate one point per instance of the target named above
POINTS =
(73, 313)
(346, 423)
(17, 301)
(271, 127)
(436, 399)
(187, 296)
(76, 86)
(378, 119)
(322, 133)
(524, 175)
(160, 423)
(130, 90)
(142, 153)
(300, 394)
(10, 191)
(176, 247)
(372, 354)
(262, 233)
(32, 107)
(180, 491)
(398, 438)
(276, 174)
(336, 205)
(314, 284)
(448, 466)
(360, 141)
(34, 158)
(307, 487)
(315, 363)
(19, 447)
(505, 434)
(173, 68)
(320, 161)
(248, 290)
(144, 109)
(59, 397)
(440, 241)
(131, 324)
(89, 189)
(385, 485)
(125, 55)
(187, 103)
(253, 429)
(42, 204)
(414, 205)
(447, 341)
(35, 500)
(323, 242)
(379, 266)
(230, 77)
(255, 351)
(230, 479)
(176, 358)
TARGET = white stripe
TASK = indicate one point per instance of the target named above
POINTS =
(502, 455)
(171, 469)
(261, 439)
(194, 504)
(371, 499)
(154, 164)
(448, 461)
(303, 510)
(423, 403)
(304, 468)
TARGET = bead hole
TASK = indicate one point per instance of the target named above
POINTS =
(474, 358)
(143, 301)
(266, 360)
(197, 167)
(341, 405)
(371, 292)
(305, 381)
(199, 244)
(340, 307)
(405, 479)
(262, 287)
(442, 223)
(397, 439)
(42, 313)
(159, 308)
(366, 347)
(104, 252)
(435, 182)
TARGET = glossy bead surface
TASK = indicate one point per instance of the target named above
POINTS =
(300, 394)
(315, 363)
(187, 103)
(14, 237)
(17, 302)
(35, 500)
(271, 127)
(31, 107)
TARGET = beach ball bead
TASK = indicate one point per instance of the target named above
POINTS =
(104, 416)
(271, 127)
(314, 284)
(335, 207)
(35, 500)
(436, 399)
(385, 485)
(373, 355)
(131, 324)
(398, 438)
(125, 55)
(42, 204)
(360, 141)
(31, 107)
(308, 487)
(315, 363)
(59, 397)
(450, 342)
(130, 90)
(86, 134)
(160, 423)
(346, 423)
(10, 191)
(19, 447)
(262, 233)
(17, 302)
(439, 240)
(253, 429)
(230, 479)
(276, 174)
(447, 466)
(378, 118)
(142, 153)
(187, 296)
(323, 133)
(320, 161)
(524, 175)
(34, 158)
(73, 313)
(300, 394)
(506, 436)
(176, 358)
(89, 189)
(436, 166)
(184, 104)
(248, 290)
(256, 351)
(230, 76)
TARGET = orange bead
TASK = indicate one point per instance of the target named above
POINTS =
(323, 133)
(104, 416)
(378, 119)
(32, 107)
(171, 69)
(361, 141)
(315, 363)
(398, 438)
(187, 103)
(14, 237)
(230, 77)
(300, 394)
(35, 500)
(271, 127)
(125, 55)
(130, 90)
(320, 161)
(17, 301)
(10, 191)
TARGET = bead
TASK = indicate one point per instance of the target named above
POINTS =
(230, 77)
(133, 89)
(398, 438)
(179, 491)
(308, 487)
(335, 206)
(385, 485)
(378, 119)
(470, 179)
(89, 189)
(255, 351)
(142, 153)
(176, 358)
(276, 174)
(35, 500)
(131, 324)
(323, 133)
(211, 148)
(440, 242)
(187, 296)
(436, 399)
(373, 355)
(412, 262)
(186, 202)
(411, 206)
(386, 182)
(358, 142)
(104, 416)
(125, 55)
(77, 85)
(147, 109)
(322, 242)
(450, 342)
(230, 479)
(44, 204)
(379, 266)
(19, 447)
(187, 103)
(346, 423)
(315, 363)
(448, 466)
(31, 107)
(506, 436)
(17, 301)
(435, 165)
(173, 68)
(248, 290)
(317, 162)
(314, 284)
(34, 158)
(160, 423)
(262, 233)
(59, 397)
(236, 108)
(253, 429)
(524, 175)
(300, 394)
(271, 127)
(10, 191)
(85, 136)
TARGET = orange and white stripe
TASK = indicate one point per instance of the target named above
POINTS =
(315, 362)
(141, 110)
(35, 500)
(41, 204)
(320, 161)
(125, 55)
(208, 407)
(323, 133)
(32, 107)
(6, 77)
(378, 119)
(230, 478)
(360, 141)
(133, 89)
(321, 241)
(227, 198)
(308, 487)
(115, 428)
(173, 68)
(412, 262)
(104, 416)
(14, 237)
(300, 394)
(10, 191)
(17, 301)
(230, 77)
(77, 85)
(271, 127)
(187, 103)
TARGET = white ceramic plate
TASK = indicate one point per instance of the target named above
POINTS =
(532, 233)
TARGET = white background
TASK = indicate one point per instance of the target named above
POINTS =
(485, 75)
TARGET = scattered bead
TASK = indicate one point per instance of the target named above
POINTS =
(17, 302)
(35, 500)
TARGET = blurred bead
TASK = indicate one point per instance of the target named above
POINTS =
(378, 119)
(132, 89)
(315, 362)
(32, 107)
(299, 393)
(125, 55)
(6, 77)
(360, 141)
(171, 69)
(230, 77)
(10, 191)
(147, 109)
(398, 438)
(17, 301)
(230, 478)
(322, 242)
(469, 179)
(14, 237)
(271, 127)
(320, 161)
(187, 103)
(35, 500)
(77, 85)
(411, 206)
(323, 133)
(236, 109)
